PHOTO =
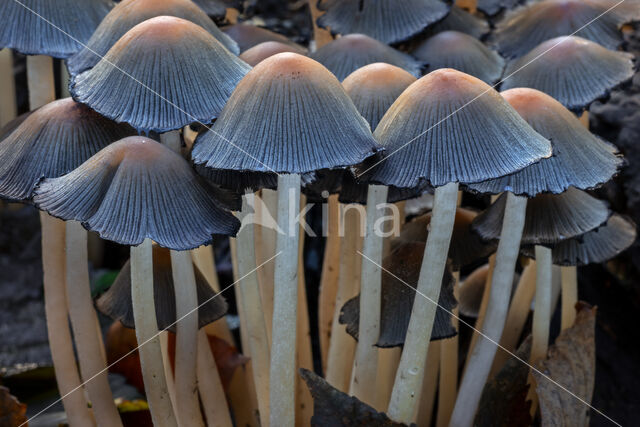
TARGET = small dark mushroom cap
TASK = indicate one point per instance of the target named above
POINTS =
(452, 49)
(452, 127)
(348, 53)
(256, 54)
(384, 20)
(397, 299)
(459, 19)
(289, 115)
(116, 301)
(52, 28)
(580, 159)
(130, 13)
(550, 217)
(471, 291)
(374, 87)
(576, 71)
(526, 27)
(248, 36)
(186, 76)
(53, 141)
(137, 188)
(492, 7)
(595, 246)
(216, 9)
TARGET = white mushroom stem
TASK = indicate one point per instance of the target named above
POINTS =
(448, 378)
(42, 88)
(172, 140)
(481, 358)
(569, 296)
(55, 305)
(285, 299)
(214, 401)
(414, 354)
(8, 109)
(265, 211)
(365, 364)
(187, 405)
(144, 313)
(93, 366)
(253, 315)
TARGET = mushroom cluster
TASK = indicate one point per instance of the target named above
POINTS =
(177, 131)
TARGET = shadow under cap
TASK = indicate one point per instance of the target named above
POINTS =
(452, 127)
(288, 115)
(161, 75)
(460, 20)
(116, 301)
(580, 159)
(248, 36)
(384, 20)
(137, 188)
(526, 27)
(53, 141)
(256, 54)
(452, 49)
(129, 13)
(550, 218)
(348, 53)
(576, 71)
(595, 246)
(52, 28)
(397, 299)
(374, 87)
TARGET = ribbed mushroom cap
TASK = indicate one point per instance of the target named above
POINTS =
(161, 75)
(384, 20)
(471, 290)
(346, 54)
(116, 301)
(13, 124)
(130, 13)
(492, 7)
(550, 218)
(626, 11)
(580, 159)
(137, 188)
(52, 28)
(452, 127)
(573, 70)
(452, 49)
(290, 115)
(256, 54)
(459, 19)
(374, 87)
(53, 141)
(247, 36)
(595, 246)
(397, 299)
(526, 27)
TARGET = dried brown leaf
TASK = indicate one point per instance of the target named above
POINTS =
(12, 412)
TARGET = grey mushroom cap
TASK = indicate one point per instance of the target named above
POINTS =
(248, 36)
(460, 20)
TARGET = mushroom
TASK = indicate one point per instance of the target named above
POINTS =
(129, 13)
(247, 36)
(8, 107)
(254, 55)
(493, 7)
(348, 53)
(272, 118)
(471, 290)
(216, 9)
(446, 128)
(131, 192)
(460, 20)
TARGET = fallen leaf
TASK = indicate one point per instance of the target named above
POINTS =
(570, 362)
(12, 412)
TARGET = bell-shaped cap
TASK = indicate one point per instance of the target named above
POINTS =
(471, 290)
(248, 36)
(580, 159)
(452, 49)
(573, 70)
(493, 7)
(374, 87)
(348, 53)
(460, 20)
(452, 127)
(137, 188)
(161, 75)
(627, 11)
(595, 246)
(526, 27)
(384, 20)
(550, 218)
(129, 13)
(116, 301)
(288, 115)
(256, 54)
(52, 28)
(399, 278)
(53, 141)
